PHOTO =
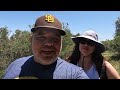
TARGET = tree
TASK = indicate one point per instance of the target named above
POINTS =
(4, 47)
(108, 45)
(11, 48)
(116, 40)
(116, 45)
(78, 34)
(67, 44)
(117, 23)
(20, 44)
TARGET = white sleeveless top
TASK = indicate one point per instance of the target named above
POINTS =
(92, 72)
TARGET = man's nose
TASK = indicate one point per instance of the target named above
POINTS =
(49, 42)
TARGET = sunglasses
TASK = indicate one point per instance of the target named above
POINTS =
(88, 42)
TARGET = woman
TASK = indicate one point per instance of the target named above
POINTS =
(88, 54)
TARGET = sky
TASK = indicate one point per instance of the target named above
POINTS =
(102, 22)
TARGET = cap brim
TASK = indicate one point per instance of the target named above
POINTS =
(62, 32)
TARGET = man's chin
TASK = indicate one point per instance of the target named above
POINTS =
(47, 60)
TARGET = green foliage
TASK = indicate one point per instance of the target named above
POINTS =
(116, 40)
(108, 45)
(117, 23)
(78, 34)
(117, 44)
(67, 44)
(20, 44)
(4, 47)
(2, 73)
(13, 47)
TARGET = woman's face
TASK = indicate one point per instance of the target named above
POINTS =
(86, 47)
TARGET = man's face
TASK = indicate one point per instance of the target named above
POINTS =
(46, 45)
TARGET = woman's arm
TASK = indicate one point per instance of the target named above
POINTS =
(111, 71)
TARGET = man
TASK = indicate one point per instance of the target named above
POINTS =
(46, 43)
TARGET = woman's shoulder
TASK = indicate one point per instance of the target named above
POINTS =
(106, 62)
(111, 70)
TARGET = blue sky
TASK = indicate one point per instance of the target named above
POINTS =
(103, 22)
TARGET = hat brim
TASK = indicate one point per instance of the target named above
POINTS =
(62, 32)
(99, 45)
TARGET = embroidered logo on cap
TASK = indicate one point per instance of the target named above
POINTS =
(49, 18)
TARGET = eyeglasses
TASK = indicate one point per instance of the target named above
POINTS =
(88, 42)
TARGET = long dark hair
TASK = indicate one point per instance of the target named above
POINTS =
(97, 57)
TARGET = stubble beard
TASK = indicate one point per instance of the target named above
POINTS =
(45, 61)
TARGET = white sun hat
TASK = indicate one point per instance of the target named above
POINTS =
(91, 35)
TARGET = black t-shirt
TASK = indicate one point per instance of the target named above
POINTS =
(31, 68)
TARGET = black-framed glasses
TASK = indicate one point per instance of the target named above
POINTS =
(87, 41)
